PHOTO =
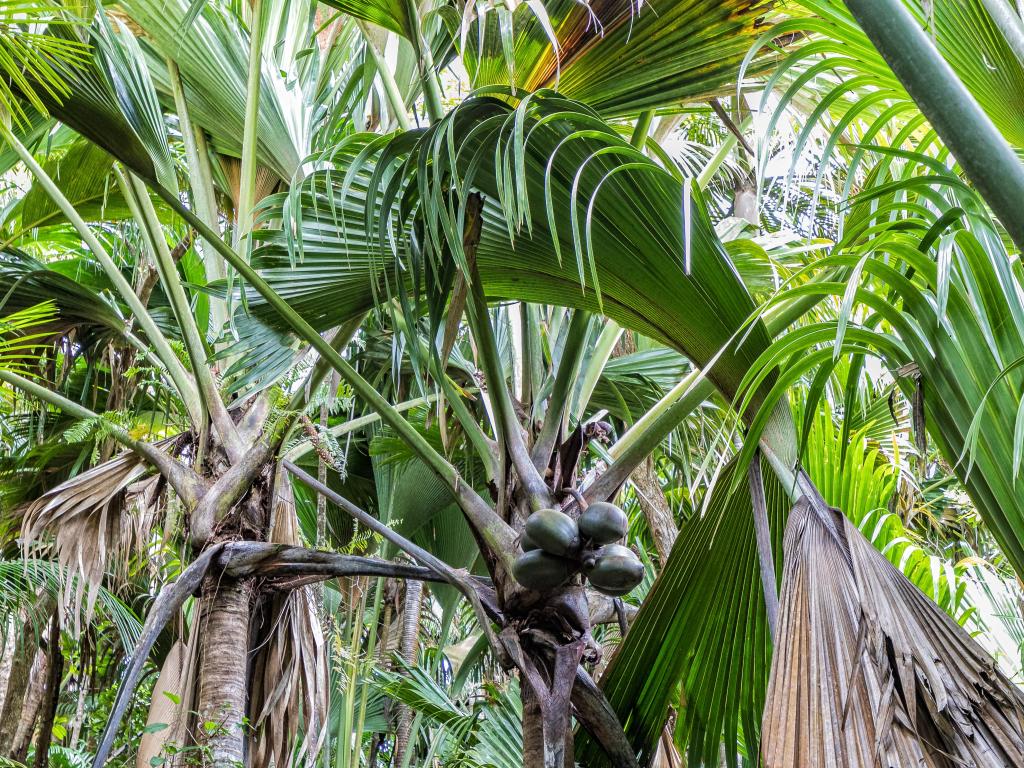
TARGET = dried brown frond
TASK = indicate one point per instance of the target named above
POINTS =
(288, 701)
(868, 671)
(91, 523)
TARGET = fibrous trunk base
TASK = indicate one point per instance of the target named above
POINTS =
(223, 672)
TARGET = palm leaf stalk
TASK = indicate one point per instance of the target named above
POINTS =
(184, 383)
(247, 183)
(982, 151)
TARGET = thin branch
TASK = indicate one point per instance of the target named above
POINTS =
(458, 579)
(719, 110)
(365, 518)
(186, 387)
(144, 286)
(498, 535)
(186, 483)
(243, 559)
(313, 435)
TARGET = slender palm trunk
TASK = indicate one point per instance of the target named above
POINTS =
(7, 656)
(23, 650)
(223, 689)
(410, 637)
(51, 693)
(26, 719)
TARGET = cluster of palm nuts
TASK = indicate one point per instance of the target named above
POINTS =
(556, 547)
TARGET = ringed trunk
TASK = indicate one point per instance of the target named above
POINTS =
(410, 636)
(223, 670)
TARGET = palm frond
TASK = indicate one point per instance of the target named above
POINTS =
(701, 632)
(591, 223)
(31, 59)
(616, 56)
(910, 686)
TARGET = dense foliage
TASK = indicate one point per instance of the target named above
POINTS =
(334, 336)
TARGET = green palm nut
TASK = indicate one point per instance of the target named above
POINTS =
(553, 531)
(615, 570)
(603, 523)
(526, 543)
(540, 571)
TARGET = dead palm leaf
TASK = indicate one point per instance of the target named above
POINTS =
(869, 672)
(289, 684)
(87, 517)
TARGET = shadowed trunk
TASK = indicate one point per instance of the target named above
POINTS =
(410, 633)
(546, 686)
(655, 507)
(22, 650)
(223, 662)
(26, 719)
(7, 657)
(51, 693)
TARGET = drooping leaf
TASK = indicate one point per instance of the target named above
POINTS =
(574, 216)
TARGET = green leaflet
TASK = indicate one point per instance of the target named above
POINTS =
(567, 222)
(615, 56)
(702, 625)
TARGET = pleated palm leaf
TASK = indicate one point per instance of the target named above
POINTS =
(906, 684)
(690, 49)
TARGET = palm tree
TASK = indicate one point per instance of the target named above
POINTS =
(228, 206)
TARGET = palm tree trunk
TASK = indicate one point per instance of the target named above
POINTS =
(51, 694)
(23, 656)
(545, 687)
(76, 724)
(410, 636)
(660, 520)
(7, 654)
(26, 720)
(223, 670)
